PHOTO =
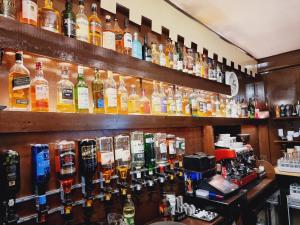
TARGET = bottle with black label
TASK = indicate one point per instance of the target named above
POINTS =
(68, 20)
(10, 185)
(65, 101)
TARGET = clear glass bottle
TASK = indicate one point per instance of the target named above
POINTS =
(194, 103)
(208, 105)
(98, 92)
(137, 149)
(29, 12)
(122, 100)
(147, 54)
(178, 102)
(186, 107)
(81, 93)
(119, 34)
(171, 106)
(180, 57)
(133, 101)
(127, 38)
(202, 104)
(154, 53)
(137, 47)
(190, 61)
(110, 94)
(197, 70)
(39, 90)
(65, 101)
(8, 9)
(82, 24)
(164, 99)
(68, 20)
(109, 37)
(129, 211)
(171, 145)
(122, 156)
(49, 17)
(95, 27)
(169, 53)
(162, 56)
(218, 106)
(185, 59)
(19, 85)
(205, 66)
(155, 100)
(220, 75)
(175, 55)
(160, 145)
(144, 103)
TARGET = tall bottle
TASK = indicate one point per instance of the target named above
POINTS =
(149, 153)
(162, 56)
(109, 36)
(68, 20)
(209, 106)
(129, 211)
(19, 85)
(171, 106)
(205, 66)
(147, 55)
(136, 46)
(119, 34)
(49, 17)
(95, 27)
(163, 98)
(185, 59)
(29, 12)
(133, 101)
(110, 94)
(98, 93)
(127, 38)
(161, 151)
(155, 100)
(65, 101)
(123, 101)
(137, 149)
(39, 90)
(8, 9)
(178, 102)
(144, 103)
(82, 24)
(81, 93)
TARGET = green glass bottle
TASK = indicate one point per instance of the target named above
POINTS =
(149, 153)
(81, 93)
(68, 20)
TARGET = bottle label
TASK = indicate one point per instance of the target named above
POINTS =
(19, 83)
(67, 95)
(107, 158)
(122, 154)
(163, 147)
(109, 40)
(137, 50)
(82, 31)
(149, 140)
(83, 98)
(129, 220)
(156, 104)
(99, 101)
(111, 94)
(42, 163)
(127, 40)
(49, 21)
(137, 147)
(172, 150)
(11, 171)
(88, 152)
(29, 10)
(69, 26)
(8, 8)
(124, 102)
(194, 103)
(41, 92)
(67, 162)
(95, 27)
(208, 107)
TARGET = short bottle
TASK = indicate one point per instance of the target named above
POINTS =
(119, 34)
(8, 9)
(127, 38)
(81, 93)
(95, 27)
(136, 47)
(109, 37)
(82, 24)
(29, 12)
(49, 17)
(123, 102)
(39, 90)
(110, 94)
(19, 85)
(98, 92)
(65, 101)
(129, 211)
(133, 101)
(68, 20)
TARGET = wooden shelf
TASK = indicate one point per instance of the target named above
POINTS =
(286, 142)
(287, 118)
(18, 122)
(17, 36)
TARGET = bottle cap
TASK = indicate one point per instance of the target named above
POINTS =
(38, 65)
(19, 56)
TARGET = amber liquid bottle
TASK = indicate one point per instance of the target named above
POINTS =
(95, 27)
(29, 12)
(119, 37)
(110, 94)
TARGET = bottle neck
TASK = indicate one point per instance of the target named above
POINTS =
(69, 6)
(81, 9)
(39, 73)
(20, 62)
(48, 4)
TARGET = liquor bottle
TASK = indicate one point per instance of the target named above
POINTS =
(210, 70)
(169, 53)
(127, 38)
(180, 58)
(220, 74)
(98, 92)
(95, 27)
(109, 37)
(202, 104)
(239, 107)
(82, 24)
(186, 105)
(65, 93)
(171, 106)
(10, 185)
(244, 108)
(190, 61)
(155, 100)
(8, 9)
(65, 168)
(218, 106)
(119, 34)
(162, 56)
(171, 146)
(122, 156)
(180, 149)
(110, 94)
(251, 109)
(19, 85)
(194, 103)
(49, 17)
(29, 12)
(298, 108)
(147, 54)
(123, 102)
(149, 153)
(41, 176)
(184, 59)
(160, 145)
(39, 90)
(223, 107)
(81, 93)
(178, 102)
(68, 20)
(133, 101)
(213, 105)
(154, 53)
(136, 47)
(208, 105)
(144, 103)
(197, 68)
(105, 156)
(163, 98)
(129, 211)
(175, 55)
(205, 66)
(137, 150)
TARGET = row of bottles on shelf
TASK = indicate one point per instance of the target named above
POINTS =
(111, 36)
(26, 93)
(287, 110)
(148, 155)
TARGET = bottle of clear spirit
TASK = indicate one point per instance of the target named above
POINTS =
(171, 107)
(110, 94)
(155, 100)
(123, 101)
(160, 145)
(178, 102)
(133, 101)
(82, 24)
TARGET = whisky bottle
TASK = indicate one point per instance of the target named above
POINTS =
(171, 106)
(160, 145)
(8, 8)
(29, 12)
(122, 101)
(180, 149)
(136, 47)
(127, 38)
(98, 93)
(218, 106)
(68, 20)
(19, 85)
(109, 37)
(110, 94)
(178, 102)
(65, 101)
(144, 104)
(129, 211)
(171, 145)
(119, 34)
(154, 53)
(180, 58)
(186, 105)
(220, 75)
(122, 156)
(208, 105)
(163, 98)
(147, 55)
(49, 17)
(155, 100)
(205, 66)
(133, 101)
(175, 55)
(105, 155)
(169, 53)
(95, 27)
(190, 61)
(39, 90)
(149, 153)
(162, 56)
(81, 93)
(82, 24)
(185, 59)
(137, 149)
(202, 104)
